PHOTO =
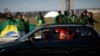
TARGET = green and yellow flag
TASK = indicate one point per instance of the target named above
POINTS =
(8, 28)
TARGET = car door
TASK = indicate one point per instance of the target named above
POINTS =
(57, 46)
(86, 39)
(37, 47)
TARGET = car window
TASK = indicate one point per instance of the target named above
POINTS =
(85, 33)
(70, 33)
(41, 35)
(64, 33)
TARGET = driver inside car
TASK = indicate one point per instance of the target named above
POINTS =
(65, 33)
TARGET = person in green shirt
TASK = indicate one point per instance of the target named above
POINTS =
(20, 23)
(59, 19)
(85, 12)
(41, 22)
(72, 18)
(40, 19)
(81, 19)
(27, 28)
(65, 17)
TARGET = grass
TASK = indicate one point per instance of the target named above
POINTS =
(50, 21)
(97, 26)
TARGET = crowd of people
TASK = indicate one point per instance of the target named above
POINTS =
(84, 17)
(22, 22)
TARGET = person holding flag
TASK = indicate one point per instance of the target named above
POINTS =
(8, 27)
(20, 23)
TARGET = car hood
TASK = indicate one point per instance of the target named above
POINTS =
(8, 44)
(6, 40)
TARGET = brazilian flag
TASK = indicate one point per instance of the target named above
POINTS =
(8, 28)
(32, 27)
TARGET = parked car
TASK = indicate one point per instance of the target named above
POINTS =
(49, 40)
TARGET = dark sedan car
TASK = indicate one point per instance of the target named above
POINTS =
(61, 40)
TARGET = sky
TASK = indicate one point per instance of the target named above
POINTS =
(87, 4)
(42, 5)
(30, 5)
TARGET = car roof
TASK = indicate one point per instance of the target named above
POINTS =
(69, 25)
